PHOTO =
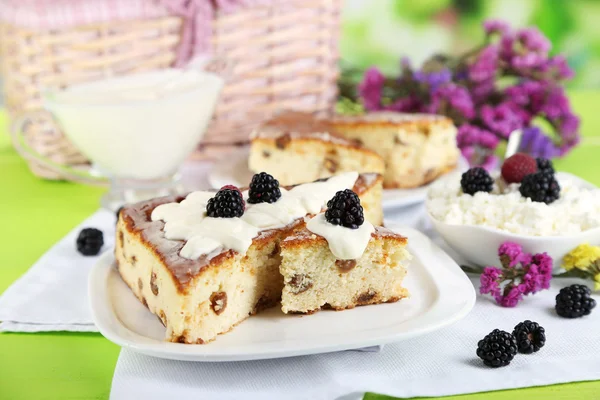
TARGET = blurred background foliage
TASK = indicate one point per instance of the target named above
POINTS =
(381, 32)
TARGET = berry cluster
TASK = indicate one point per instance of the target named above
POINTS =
(536, 177)
(263, 189)
(344, 209)
(90, 241)
(227, 203)
(498, 348)
(476, 180)
(574, 301)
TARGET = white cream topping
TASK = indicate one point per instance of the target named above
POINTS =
(204, 235)
(344, 243)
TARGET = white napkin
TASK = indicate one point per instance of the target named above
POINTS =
(52, 294)
(439, 364)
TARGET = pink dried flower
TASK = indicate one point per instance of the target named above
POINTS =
(511, 297)
(490, 281)
(502, 119)
(522, 273)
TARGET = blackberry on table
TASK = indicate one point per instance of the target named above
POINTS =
(476, 180)
(90, 241)
(344, 209)
(544, 165)
(497, 349)
(263, 189)
(227, 203)
(530, 336)
(541, 187)
(574, 301)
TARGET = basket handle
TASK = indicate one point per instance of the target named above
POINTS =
(25, 150)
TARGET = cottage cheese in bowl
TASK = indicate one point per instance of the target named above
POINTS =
(577, 209)
(475, 225)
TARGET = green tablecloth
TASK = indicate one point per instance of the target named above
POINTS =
(35, 214)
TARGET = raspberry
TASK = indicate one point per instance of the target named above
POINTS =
(497, 349)
(263, 189)
(227, 203)
(541, 187)
(344, 209)
(517, 166)
(476, 180)
(90, 241)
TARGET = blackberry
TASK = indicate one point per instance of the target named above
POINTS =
(544, 165)
(530, 336)
(497, 349)
(574, 301)
(541, 187)
(90, 241)
(263, 189)
(344, 209)
(227, 203)
(476, 180)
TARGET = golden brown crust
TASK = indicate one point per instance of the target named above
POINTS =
(302, 238)
(331, 139)
(427, 179)
(409, 122)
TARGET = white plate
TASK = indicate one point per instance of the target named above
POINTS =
(441, 295)
(233, 170)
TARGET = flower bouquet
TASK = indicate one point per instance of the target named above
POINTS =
(509, 82)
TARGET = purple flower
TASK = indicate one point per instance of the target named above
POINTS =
(527, 93)
(513, 253)
(485, 65)
(452, 100)
(556, 104)
(406, 104)
(502, 119)
(469, 135)
(434, 78)
(493, 26)
(490, 281)
(370, 89)
(558, 68)
(526, 50)
(544, 263)
(512, 296)
(537, 144)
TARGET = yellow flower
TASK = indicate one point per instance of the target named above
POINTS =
(581, 257)
(597, 281)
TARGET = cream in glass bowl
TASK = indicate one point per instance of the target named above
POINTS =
(137, 129)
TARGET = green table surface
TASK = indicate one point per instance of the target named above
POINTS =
(61, 365)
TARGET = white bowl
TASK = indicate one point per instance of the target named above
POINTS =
(479, 244)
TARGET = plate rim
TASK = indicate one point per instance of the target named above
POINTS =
(216, 179)
(106, 320)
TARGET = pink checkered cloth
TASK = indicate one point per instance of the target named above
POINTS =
(60, 14)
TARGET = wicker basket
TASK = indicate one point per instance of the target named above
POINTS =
(284, 56)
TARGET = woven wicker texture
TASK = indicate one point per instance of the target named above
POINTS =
(283, 56)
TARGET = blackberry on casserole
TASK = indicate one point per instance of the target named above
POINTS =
(497, 349)
(574, 301)
(227, 203)
(476, 180)
(540, 187)
(344, 209)
(530, 336)
(263, 189)
(90, 241)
